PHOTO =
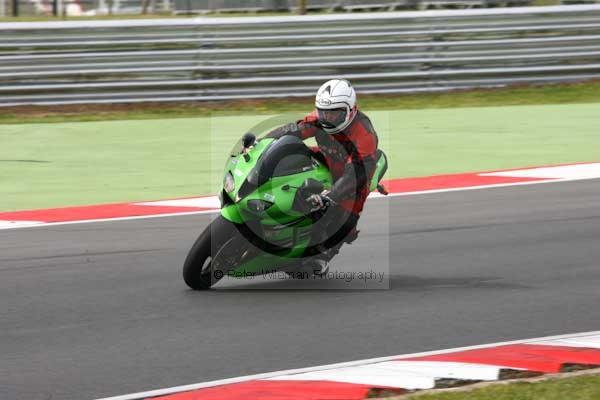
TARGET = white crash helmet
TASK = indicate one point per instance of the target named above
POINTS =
(336, 105)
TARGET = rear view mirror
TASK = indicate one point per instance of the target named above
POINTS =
(248, 140)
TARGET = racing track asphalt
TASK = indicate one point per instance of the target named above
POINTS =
(93, 310)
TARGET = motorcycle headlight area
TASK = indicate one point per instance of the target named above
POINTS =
(228, 182)
(258, 206)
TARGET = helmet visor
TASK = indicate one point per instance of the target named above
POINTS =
(333, 117)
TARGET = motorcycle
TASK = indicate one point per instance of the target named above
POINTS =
(265, 223)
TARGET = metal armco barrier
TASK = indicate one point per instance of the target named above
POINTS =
(199, 59)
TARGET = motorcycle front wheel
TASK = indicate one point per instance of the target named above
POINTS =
(198, 271)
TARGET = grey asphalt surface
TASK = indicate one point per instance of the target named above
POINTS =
(93, 310)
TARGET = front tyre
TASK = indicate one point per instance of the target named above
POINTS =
(198, 272)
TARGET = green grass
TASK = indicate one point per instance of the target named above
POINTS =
(570, 388)
(73, 163)
(545, 3)
(588, 92)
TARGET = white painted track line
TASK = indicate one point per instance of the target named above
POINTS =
(18, 224)
(576, 171)
(592, 342)
(197, 202)
(89, 221)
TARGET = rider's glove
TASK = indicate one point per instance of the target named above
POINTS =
(319, 201)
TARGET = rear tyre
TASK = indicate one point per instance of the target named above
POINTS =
(198, 272)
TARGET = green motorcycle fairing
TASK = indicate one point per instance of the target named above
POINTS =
(261, 183)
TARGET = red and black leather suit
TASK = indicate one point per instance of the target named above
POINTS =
(350, 156)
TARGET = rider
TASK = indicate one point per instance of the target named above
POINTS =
(348, 143)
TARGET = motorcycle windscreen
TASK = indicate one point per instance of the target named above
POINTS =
(286, 156)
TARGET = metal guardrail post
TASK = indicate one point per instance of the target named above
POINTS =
(301, 7)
